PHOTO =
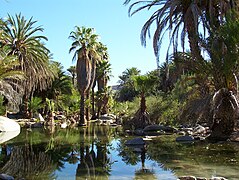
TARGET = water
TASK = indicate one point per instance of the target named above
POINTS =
(98, 152)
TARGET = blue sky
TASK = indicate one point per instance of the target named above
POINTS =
(120, 33)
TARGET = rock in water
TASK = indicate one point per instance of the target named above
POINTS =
(185, 139)
(7, 124)
(135, 141)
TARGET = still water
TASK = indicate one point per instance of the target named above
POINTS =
(98, 152)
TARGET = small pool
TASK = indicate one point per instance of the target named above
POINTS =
(98, 152)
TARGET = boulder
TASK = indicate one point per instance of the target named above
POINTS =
(199, 130)
(6, 177)
(7, 124)
(37, 125)
(217, 178)
(156, 127)
(135, 142)
(139, 132)
(187, 178)
(5, 136)
(185, 139)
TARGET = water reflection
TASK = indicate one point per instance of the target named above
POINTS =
(98, 152)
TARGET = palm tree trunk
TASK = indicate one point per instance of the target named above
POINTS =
(87, 109)
(82, 110)
(93, 102)
(143, 103)
(225, 114)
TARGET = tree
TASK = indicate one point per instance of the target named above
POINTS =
(143, 84)
(84, 44)
(72, 71)
(186, 17)
(99, 72)
(8, 77)
(128, 91)
(21, 39)
(61, 85)
(103, 72)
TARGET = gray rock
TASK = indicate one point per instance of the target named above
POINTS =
(187, 178)
(6, 177)
(185, 139)
(135, 141)
(139, 132)
(37, 125)
(182, 133)
(199, 130)
(218, 178)
(154, 127)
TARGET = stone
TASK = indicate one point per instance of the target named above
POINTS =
(201, 178)
(187, 178)
(199, 130)
(135, 141)
(218, 178)
(185, 139)
(41, 118)
(7, 124)
(37, 125)
(6, 177)
(182, 133)
(139, 132)
(5, 136)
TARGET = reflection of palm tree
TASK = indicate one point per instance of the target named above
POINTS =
(144, 173)
(24, 163)
(73, 157)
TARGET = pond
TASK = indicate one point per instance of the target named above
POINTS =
(98, 152)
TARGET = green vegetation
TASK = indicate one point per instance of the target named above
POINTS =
(188, 88)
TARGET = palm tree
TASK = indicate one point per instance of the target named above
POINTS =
(72, 71)
(84, 44)
(102, 73)
(128, 91)
(60, 85)
(143, 84)
(186, 17)
(22, 39)
(8, 77)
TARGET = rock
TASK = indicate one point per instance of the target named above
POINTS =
(185, 139)
(156, 127)
(235, 136)
(60, 117)
(6, 177)
(199, 130)
(5, 136)
(37, 125)
(182, 133)
(41, 118)
(7, 124)
(139, 132)
(106, 117)
(201, 178)
(135, 141)
(187, 178)
(218, 178)
(153, 127)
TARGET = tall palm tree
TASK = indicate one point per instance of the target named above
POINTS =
(22, 39)
(143, 84)
(72, 71)
(84, 44)
(101, 74)
(128, 91)
(182, 19)
(8, 77)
